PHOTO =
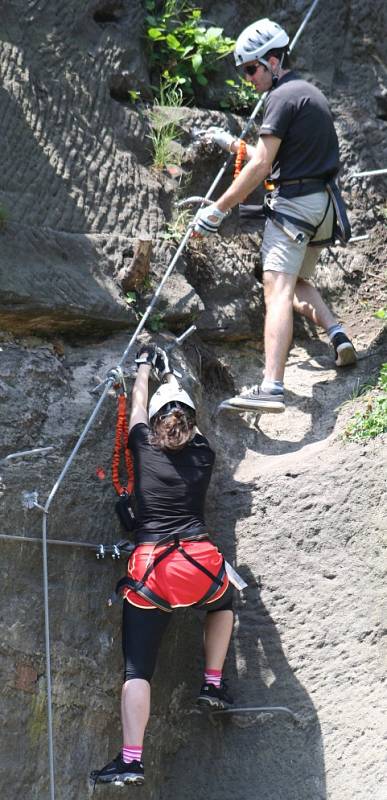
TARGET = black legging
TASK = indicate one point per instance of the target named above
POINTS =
(143, 630)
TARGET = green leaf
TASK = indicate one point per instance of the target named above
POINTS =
(201, 79)
(130, 297)
(173, 42)
(197, 61)
(155, 33)
(213, 33)
(381, 313)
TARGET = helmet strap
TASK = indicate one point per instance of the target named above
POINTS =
(274, 75)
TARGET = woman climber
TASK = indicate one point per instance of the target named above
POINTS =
(174, 562)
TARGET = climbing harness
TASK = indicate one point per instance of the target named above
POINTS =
(171, 542)
(107, 384)
(298, 229)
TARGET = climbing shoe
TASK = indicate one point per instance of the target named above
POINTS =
(257, 400)
(214, 699)
(120, 774)
(345, 353)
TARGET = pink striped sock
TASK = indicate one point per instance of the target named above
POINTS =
(130, 753)
(213, 676)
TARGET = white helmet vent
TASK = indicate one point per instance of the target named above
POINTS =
(257, 39)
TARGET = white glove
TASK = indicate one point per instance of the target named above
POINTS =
(208, 220)
(218, 136)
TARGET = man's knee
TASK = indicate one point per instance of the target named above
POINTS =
(278, 286)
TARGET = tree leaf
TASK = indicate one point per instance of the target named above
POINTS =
(197, 61)
(213, 33)
(155, 33)
(173, 42)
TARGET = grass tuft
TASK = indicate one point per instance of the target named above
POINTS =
(371, 419)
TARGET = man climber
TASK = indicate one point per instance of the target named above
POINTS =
(298, 148)
(174, 563)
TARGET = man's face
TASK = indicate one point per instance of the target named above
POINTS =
(260, 77)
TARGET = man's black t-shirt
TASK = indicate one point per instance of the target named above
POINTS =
(299, 114)
(170, 486)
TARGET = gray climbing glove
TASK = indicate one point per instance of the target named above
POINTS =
(219, 136)
(208, 220)
(146, 355)
(161, 366)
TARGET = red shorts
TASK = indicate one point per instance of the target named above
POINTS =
(175, 579)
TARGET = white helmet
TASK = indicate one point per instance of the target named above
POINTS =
(257, 39)
(168, 393)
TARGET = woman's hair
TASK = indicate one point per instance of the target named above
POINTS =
(174, 431)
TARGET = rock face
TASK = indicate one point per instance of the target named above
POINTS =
(298, 511)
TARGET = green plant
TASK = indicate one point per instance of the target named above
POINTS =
(241, 95)
(164, 119)
(381, 313)
(371, 419)
(156, 323)
(181, 48)
(131, 298)
(134, 95)
(146, 284)
(177, 226)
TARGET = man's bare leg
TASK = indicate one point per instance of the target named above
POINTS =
(309, 303)
(279, 293)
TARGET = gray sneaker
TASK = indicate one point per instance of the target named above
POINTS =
(256, 400)
(345, 353)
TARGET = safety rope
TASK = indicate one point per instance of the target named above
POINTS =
(240, 158)
(120, 443)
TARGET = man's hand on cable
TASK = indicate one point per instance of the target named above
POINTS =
(208, 220)
(219, 136)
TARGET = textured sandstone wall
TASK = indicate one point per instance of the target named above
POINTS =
(300, 513)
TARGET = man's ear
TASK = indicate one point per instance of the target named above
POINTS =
(274, 62)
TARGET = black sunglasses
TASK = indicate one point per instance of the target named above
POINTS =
(251, 69)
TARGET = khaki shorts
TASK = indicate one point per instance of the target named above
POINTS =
(279, 252)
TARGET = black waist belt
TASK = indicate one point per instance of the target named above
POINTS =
(140, 586)
(299, 187)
